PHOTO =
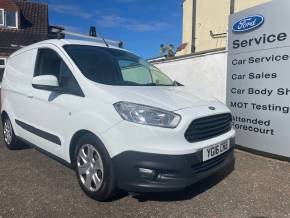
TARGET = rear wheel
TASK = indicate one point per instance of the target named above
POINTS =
(94, 168)
(8, 134)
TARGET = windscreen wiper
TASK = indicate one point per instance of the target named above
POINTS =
(151, 84)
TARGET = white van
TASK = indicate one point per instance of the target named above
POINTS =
(116, 119)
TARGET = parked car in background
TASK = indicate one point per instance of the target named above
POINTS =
(116, 119)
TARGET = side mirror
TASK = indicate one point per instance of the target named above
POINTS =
(46, 82)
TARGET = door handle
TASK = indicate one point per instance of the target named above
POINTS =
(30, 96)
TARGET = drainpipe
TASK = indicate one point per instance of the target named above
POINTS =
(232, 7)
(193, 26)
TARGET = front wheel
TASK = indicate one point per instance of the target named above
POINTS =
(94, 168)
(9, 135)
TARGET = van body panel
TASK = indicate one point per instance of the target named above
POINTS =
(49, 117)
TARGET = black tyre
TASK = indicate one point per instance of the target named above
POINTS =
(94, 168)
(8, 134)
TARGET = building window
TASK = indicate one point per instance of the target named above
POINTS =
(11, 19)
(2, 67)
(2, 62)
(1, 17)
(8, 18)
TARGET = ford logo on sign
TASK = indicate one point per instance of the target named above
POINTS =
(248, 23)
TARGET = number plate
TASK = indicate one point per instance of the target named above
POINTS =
(215, 150)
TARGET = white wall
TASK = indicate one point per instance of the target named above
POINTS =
(205, 72)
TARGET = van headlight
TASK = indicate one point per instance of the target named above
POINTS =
(147, 115)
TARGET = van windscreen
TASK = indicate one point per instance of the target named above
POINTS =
(115, 67)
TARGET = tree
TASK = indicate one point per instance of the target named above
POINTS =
(167, 50)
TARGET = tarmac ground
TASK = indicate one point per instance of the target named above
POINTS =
(34, 185)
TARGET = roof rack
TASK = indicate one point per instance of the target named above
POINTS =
(61, 33)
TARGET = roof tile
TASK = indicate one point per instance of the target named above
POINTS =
(33, 25)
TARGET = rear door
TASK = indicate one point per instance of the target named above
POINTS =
(49, 121)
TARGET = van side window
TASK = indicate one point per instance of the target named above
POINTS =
(50, 63)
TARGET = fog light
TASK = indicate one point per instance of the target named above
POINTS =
(147, 173)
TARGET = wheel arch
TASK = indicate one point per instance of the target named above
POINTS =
(7, 110)
(76, 137)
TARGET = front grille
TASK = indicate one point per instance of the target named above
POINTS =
(208, 127)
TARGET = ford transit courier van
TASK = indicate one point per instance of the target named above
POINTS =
(116, 119)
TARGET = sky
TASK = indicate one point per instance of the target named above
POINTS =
(142, 24)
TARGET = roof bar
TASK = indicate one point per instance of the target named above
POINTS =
(62, 33)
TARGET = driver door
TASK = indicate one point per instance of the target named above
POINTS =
(49, 118)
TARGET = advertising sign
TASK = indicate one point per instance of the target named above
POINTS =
(258, 83)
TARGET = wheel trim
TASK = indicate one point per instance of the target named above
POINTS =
(8, 132)
(90, 167)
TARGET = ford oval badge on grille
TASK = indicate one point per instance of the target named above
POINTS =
(248, 23)
(211, 108)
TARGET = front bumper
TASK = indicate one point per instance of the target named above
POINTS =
(171, 172)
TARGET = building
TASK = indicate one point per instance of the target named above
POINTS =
(201, 62)
(21, 23)
(205, 23)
